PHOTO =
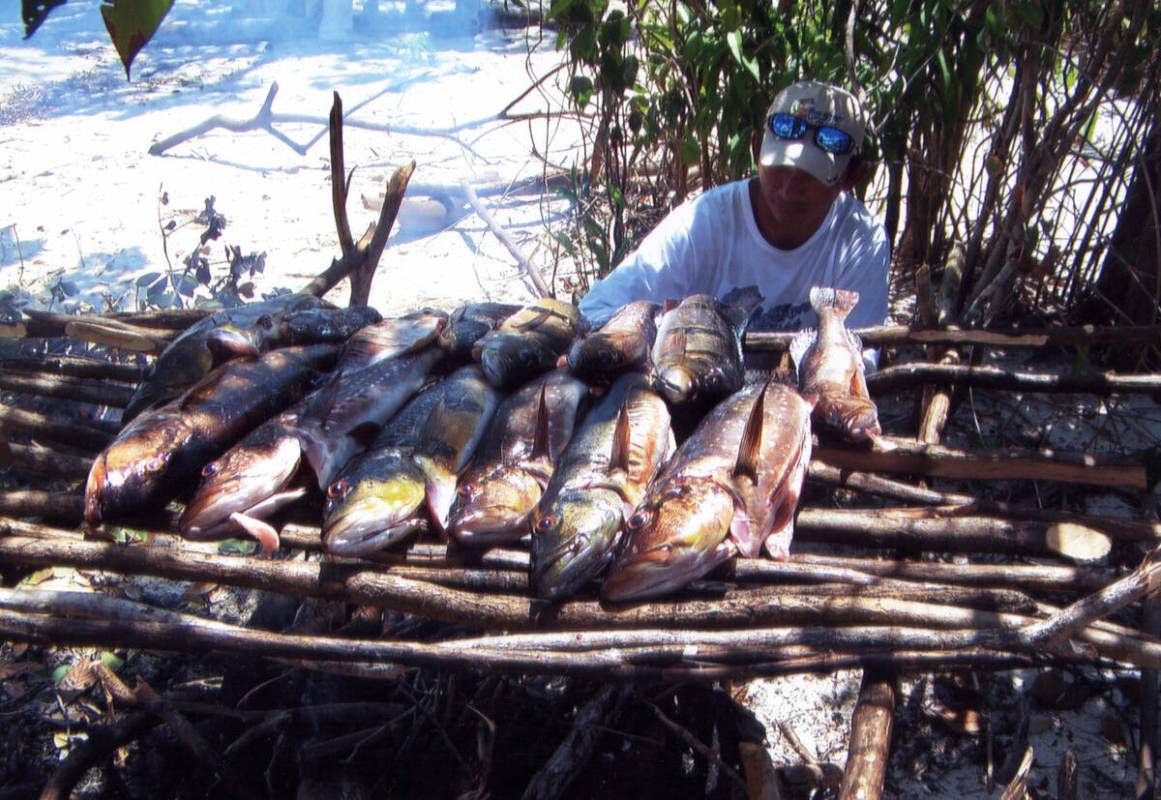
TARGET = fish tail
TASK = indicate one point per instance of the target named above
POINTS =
(840, 300)
(800, 345)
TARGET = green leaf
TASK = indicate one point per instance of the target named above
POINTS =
(34, 12)
(111, 660)
(59, 673)
(132, 23)
(237, 547)
(690, 151)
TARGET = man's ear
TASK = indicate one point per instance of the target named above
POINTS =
(856, 171)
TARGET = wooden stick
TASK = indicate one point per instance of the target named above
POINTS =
(339, 187)
(172, 319)
(909, 456)
(505, 239)
(95, 328)
(101, 743)
(47, 461)
(1017, 789)
(92, 434)
(263, 120)
(1085, 335)
(902, 376)
(82, 390)
(66, 507)
(1134, 530)
(74, 366)
(361, 276)
(870, 742)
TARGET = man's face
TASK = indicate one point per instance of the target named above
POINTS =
(794, 197)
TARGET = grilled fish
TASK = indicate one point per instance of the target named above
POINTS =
(601, 476)
(738, 475)
(391, 338)
(349, 410)
(191, 356)
(161, 451)
(830, 364)
(377, 499)
(527, 343)
(622, 344)
(697, 357)
(469, 323)
(515, 460)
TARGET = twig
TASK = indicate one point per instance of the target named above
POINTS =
(101, 743)
(74, 366)
(91, 435)
(898, 377)
(339, 184)
(506, 239)
(46, 461)
(696, 744)
(1017, 789)
(1086, 335)
(909, 456)
(574, 753)
(82, 390)
(1147, 752)
(870, 741)
(361, 275)
(263, 120)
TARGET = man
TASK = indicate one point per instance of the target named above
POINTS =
(796, 225)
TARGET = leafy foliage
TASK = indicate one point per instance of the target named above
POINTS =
(130, 23)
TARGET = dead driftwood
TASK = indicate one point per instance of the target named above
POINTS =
(90, 328)
(870, 739)
(917, 458)
(1085, 335)
(901, 376)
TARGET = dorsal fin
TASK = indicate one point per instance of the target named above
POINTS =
(619, 459)
(750, 446)
(540, 440)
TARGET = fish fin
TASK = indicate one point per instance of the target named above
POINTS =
(227, 342)
(777, 544)
(800, 346)
(314, 447)
(441, 493)
(541, 439)
(265, 533)
(841, 300)
(750, 447)
(534, 322)
(742, 534)
(619, 458)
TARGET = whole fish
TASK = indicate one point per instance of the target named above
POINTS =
(601, 476)
(527, 343)
(622, 344)
(379, 498)
(320, 325)
(697, 357)
(191, 356)
(830, 364)
(515, 460)
(376, 500)
(348, 411)
(737, 476)
(158, 454)
(391, 338)
(469, 323)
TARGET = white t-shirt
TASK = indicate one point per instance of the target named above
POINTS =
(712, 245)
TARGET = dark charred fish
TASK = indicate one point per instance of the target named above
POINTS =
(469, 323)
(697, 357)
(201, 347)
(830, 364)
(622, 344)
(159, 454)
(515, 460)
(527, 343)
(601, 477)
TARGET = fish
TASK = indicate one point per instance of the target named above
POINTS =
(731, 486)
(377, 498)
(514, 462)
(697, 356)
(201, 347)
(450, 437)
(829, 363)
(622, 344)
(346, 413)
(468, 324)
(321, 325)
(602, 475)
(527, 343)
(391, 338)
(158, 455)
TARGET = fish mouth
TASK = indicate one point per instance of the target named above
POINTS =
(494, 510)
(255, 489)
(675, 384)
(373, 517)
(661, 570)
(586, 536)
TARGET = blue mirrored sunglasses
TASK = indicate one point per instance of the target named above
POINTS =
(828, 138)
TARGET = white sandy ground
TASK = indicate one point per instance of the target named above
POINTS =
(79, 202)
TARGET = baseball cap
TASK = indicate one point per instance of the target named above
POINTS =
(819, 105)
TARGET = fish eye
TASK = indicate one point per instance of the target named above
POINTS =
(338, 490)
(638, 520)
(155, 464)
(466, 491)
(265, 321)
(210, 470)
(546, 523)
